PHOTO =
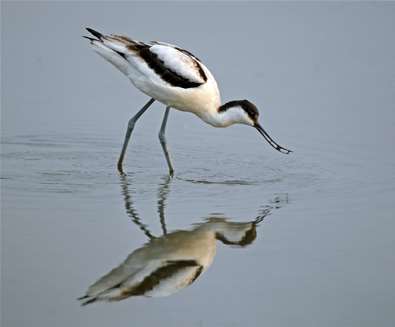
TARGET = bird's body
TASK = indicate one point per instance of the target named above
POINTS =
(185, 84)
(176, 78)
(160, 268)
(169, 263)
(198, 97)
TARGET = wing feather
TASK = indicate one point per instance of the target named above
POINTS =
(171, 64)
(178, 62)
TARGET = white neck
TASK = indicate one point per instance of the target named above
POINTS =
(225, 118)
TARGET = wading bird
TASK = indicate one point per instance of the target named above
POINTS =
(179, 80)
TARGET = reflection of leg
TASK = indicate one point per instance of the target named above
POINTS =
(162, 197)
(162, 140)
(130, 209)
(129, 131)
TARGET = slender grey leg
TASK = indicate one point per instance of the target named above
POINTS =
(162, 140)
(129, 131)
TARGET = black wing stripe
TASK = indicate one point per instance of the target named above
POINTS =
(196, 59)
(165, 73)
(149, 282)
(197, 274)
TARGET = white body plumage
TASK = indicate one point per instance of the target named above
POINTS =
(202, 100)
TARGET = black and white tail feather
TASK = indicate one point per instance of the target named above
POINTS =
(173, 65)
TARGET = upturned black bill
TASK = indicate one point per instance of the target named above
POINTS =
(271, 141)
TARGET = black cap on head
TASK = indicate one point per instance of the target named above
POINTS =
(246, 238)
(250, 109)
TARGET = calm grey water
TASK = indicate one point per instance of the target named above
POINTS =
(323, 76)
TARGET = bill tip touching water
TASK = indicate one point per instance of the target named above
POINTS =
(176, 78)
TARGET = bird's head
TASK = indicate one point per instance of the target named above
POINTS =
(245, 112)
(237, 234)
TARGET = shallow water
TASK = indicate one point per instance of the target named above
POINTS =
(323, 255)
(327, 243)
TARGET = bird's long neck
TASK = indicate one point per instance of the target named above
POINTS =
(225, 115)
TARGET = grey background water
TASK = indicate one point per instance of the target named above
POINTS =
(323, 76)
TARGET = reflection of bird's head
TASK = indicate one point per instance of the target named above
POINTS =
(232, 233)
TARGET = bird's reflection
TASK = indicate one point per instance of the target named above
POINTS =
(169, 263)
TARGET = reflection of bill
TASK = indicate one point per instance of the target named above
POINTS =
(169, 263)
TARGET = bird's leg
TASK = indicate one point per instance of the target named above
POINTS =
(129, 131)
(162, 140)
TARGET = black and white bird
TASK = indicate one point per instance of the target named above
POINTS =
(179, 80)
